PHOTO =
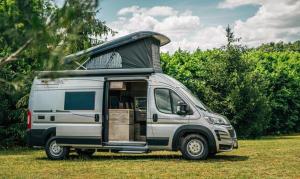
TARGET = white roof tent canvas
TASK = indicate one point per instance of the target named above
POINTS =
(136, 50)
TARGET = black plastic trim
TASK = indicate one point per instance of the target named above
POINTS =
(34, 137)
(79, 140)
(225, 147)
(38, 137)
(41, 117)
(218, 135)
(62, 111)
(43, 111)
(194, 129)
(159, 141)
(105, 116)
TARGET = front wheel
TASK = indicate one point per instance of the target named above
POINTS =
(194, 147)
(54, 151)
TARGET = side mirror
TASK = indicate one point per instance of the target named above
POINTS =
(182, 108)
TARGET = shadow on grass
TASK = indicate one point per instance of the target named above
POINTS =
(217, 158)
(229, 158)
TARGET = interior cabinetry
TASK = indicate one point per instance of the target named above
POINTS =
(127, 111)
(121, 122)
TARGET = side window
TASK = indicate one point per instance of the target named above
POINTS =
(166, 100)
(163, 100)
(80, 100)
(175, 100)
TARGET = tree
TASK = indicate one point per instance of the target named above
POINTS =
(281, 69)
(35, 35)
(226, 81)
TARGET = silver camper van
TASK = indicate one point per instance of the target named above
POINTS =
(119, 100)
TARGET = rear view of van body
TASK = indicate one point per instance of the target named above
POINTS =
(133, 113)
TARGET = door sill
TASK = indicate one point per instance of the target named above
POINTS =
(125, 143)
(133, 152)
(127, 148)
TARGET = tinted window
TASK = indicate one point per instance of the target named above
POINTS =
(167, 101)
(175, 100)
(163, 100)
(80, 100)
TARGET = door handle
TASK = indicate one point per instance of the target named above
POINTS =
(41, 117)
(155, 118)
(96, 117)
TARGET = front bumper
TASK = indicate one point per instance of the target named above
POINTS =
(226, 138)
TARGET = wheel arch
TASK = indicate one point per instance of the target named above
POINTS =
(48, 133)
(193, 129)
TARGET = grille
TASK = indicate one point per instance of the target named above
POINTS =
(225, 147)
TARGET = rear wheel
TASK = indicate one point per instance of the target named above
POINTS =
(194, 147)
(54, 151)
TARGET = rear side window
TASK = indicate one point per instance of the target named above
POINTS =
(80, 100)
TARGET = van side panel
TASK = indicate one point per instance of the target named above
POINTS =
(67, 119)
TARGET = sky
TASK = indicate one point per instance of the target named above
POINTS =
(192, 24)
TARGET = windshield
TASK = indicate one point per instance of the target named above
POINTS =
(191, 96)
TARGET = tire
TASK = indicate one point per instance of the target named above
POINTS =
(194, 147)
(55, 152)
(85, 152)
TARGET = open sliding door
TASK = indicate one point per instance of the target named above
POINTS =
(124, 112)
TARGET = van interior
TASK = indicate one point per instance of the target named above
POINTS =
(127, 108)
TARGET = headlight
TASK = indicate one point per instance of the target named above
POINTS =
(214, 120)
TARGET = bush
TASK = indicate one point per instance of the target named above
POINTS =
(282, 72)
(226, 83)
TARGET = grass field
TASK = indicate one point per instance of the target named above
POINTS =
(274, 157)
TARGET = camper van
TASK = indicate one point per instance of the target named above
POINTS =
(119, 100)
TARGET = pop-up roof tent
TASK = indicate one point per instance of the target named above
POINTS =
(133, 51)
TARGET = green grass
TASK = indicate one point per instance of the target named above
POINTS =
(272, 157)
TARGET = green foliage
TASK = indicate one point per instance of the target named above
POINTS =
(281, 47)
(282, 71)
(48, 33)
(226, 82)
(257, 89)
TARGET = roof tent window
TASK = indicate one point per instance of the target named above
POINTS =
(156, 56)
(108, 60)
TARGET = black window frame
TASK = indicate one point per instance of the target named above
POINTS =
(88, 108)
(171, 101)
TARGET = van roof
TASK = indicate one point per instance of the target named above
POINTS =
(163, 40)
(97, 72)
